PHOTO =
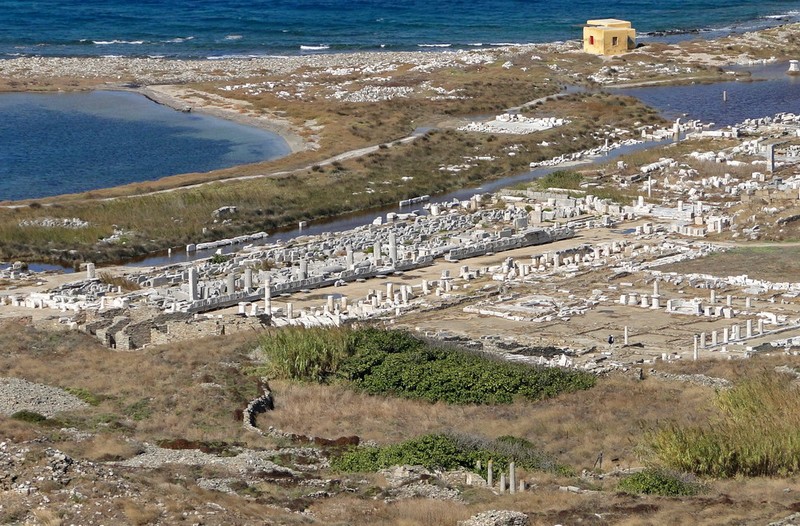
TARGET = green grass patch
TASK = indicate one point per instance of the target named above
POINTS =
(381, 362)
(139, 410)
(756, 433)
(447, 451)
(560, 179)
(85, 395)
(31, 417)
(313, 354)
(658, 482)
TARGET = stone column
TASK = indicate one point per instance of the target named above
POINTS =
(696, 353)
(303, 269)
(749, 328)
(90, 271)
(376, 252)
(193, 296)
(512, 478)
(230, 283)
(389, 291)
(393, 248)
(331, 303)
(702, 340)
(490, 473)
(248, 279)
(625, 335)
(713, 296)
(713, 338)
(656, 303)
(728, 300)
(502, 482)
(771, 158)
(349, 257)
(289, 311)
(724, 335)
(748, 302)
(268, 296)
(760, 326)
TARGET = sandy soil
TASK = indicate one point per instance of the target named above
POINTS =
(181, 98)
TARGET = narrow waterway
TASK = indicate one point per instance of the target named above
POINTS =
(350, 221)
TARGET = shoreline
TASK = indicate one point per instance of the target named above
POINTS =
(290, 133)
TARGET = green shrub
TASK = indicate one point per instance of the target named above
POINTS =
(446, 451)
(395, 362)
(657, 482)
(84, 395)
(756, 433)
(31, 417)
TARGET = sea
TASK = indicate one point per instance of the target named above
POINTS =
(211, 29)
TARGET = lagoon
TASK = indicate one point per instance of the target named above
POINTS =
(53, 144)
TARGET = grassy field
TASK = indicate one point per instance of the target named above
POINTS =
(779, 263)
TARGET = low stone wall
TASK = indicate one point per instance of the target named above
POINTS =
(262, 404)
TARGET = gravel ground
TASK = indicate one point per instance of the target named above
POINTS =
(19, 395)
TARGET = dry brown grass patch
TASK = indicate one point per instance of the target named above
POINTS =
(153, 394)
(102, 448)
(573, 427)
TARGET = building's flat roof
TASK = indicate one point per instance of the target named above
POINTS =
(608, 22)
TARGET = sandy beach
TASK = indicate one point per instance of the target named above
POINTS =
(183, 99)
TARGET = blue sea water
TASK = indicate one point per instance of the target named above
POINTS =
(218, 28)
(52, 144)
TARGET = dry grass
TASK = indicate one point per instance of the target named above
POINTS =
(773, 263)
(139, 515)
(102, 448)
(573, 427)
(149, 395)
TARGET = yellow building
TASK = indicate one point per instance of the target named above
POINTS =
(608, 36)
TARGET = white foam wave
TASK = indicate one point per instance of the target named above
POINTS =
(110, 42)
(233, 37)
(780, 16)
(239, 57)
(434, 45)
(178, 40)
(315, 48)
(475, 44)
